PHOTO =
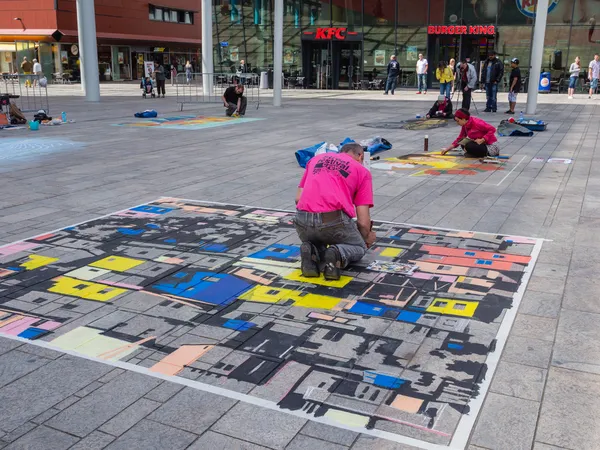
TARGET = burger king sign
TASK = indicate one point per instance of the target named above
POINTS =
(528, 7)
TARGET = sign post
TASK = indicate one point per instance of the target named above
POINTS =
(537, 53)
(207, 48)
(278, 53)
(88, 49)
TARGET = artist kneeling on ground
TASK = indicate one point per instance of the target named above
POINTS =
(234, 101)
(335, 188)
(441, 109)
(477, 137)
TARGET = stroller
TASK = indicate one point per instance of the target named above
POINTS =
(147, 86)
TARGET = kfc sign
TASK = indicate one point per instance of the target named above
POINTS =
(329, 34)
(462, 29)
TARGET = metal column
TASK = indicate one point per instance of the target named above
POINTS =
(88, 49)
(277, 52)
(207, 48)
(537, 53)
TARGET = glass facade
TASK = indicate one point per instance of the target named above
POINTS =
(343, 43)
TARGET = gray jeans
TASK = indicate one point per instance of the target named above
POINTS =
(341, 232)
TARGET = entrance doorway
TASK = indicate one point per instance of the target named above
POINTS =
(332, 64)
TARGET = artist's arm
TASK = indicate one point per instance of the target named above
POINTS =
(489, 131)
(363, 221)
(461, 136)
(239, 103)
(298, 195)
(224, 101)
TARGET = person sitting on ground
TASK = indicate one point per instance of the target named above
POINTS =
(477, 138)
(441, 109)
(335, 188)
(234, 101)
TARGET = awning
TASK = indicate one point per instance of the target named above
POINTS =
(8, 47)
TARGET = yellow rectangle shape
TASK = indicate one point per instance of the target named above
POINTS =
(346, 418)
(117, 263)
(391, 252)
(296, 275)
(462, 308)
(85, 289)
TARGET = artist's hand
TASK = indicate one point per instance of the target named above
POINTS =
(480, 141)
(370, 240)
(225, 105)
(445, 150)
(466, 89)
(428, 116)
(444, 114)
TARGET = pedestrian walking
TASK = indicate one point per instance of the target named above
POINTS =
(422, 68)
(393, 71)
(492, 73)
(188, 72)
(445, 76)
(594, 74)
(574, 71)
(467, 82)
(514, 85)
(452, 66)
(37, 71)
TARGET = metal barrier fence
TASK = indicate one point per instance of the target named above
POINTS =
(210, 87)
(25, 91)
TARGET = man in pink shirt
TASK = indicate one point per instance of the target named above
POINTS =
(477, 137)
(335, 188)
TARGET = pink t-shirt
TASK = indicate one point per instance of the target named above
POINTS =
(333, 182)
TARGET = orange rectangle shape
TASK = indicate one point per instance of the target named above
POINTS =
(465, 253)
(419, 231)
(174, 363)
(467, 262)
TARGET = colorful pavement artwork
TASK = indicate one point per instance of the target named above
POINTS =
(410, 124)
(434, 164)
(403, 346)
(188, 122)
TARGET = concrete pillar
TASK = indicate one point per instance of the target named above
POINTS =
(537, 53)
(277, 52)
(88, 49)
(207, 48)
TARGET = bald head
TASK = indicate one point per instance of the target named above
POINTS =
(355, 150)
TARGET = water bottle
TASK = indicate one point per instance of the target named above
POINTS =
(426, 144)
(521, 117)
(418, 116)
(64, 117)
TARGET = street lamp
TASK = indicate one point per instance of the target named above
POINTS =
(20, 20)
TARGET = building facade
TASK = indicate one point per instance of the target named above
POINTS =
(332, 43)
(129, 33)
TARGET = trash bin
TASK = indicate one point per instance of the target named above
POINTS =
(264, 80)
(544, 87)
(270, 77)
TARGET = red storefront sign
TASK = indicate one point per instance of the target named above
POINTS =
(462, 29)
(330, 33)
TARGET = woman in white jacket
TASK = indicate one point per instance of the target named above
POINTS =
(574, 76)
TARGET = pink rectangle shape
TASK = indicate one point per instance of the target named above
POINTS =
(11, 249)
(49, 325)
(20, 325)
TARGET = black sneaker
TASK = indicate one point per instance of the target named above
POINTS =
(509, 112)
(333, 264)
(487, 110)
(310, 260)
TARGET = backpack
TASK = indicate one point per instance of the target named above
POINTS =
(148, 114)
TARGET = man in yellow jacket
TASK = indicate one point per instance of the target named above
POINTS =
(446, 77)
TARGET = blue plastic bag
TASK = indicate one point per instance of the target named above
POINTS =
(148, 114)
(304, 155)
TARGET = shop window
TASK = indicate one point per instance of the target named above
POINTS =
(170, 15)
(188, 18)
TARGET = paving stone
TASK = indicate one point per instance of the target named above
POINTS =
(301, 442)
(540, 446)
(93, 441)
(535, 327)
(41, 351)
(540, 304)
(568, 418)
(578, 342)
(6, 345)
(129, 417)
(192, 410)
(216, 441)
(101, 405)
(88, 389)
(164, 391)
(329, 433)
(259, 425)
(43, 438)
(148, 435)
(519, 381)
(15, 364)
(66, 402)
(110, 375)
(506, 423)
(365, 442)
(527, 351)
(18, 432)
(46, 415)
(38, 391)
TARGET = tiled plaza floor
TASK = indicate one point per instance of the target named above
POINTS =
(212, 298)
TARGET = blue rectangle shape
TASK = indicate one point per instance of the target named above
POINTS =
(480, 261)
(388, 381)
(32, 333)
(238, 325)
(409, 316)
(455, 346)
(469, 253)
(367, 309)
(151, 209)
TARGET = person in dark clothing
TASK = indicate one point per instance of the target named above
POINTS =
(393, 71)
(160, 77)
(491, 75)
(234, 101)
(467, 81)
(514, 85)
(441, 109)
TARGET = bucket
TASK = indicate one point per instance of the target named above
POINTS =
(34, 125)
